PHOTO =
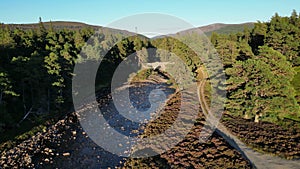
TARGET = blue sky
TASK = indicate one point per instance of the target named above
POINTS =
(97, 12)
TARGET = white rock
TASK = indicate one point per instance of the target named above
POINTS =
(66, 154)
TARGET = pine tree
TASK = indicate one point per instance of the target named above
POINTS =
(260, 87)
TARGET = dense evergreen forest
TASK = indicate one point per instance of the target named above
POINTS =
(261, 65)
(36, 68)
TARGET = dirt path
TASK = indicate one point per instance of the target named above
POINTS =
(258, 160)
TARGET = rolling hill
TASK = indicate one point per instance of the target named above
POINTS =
(55, 24)
(220, 28)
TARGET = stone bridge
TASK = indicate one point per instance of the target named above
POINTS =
(156, 65)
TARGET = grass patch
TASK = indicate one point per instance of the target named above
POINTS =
(26, 130)
(207, 92)
(142, 75)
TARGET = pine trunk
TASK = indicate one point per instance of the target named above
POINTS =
(256, 120)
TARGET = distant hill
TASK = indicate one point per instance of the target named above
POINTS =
(220, 28)
(55, 25)
(58, 25)
(226, 28)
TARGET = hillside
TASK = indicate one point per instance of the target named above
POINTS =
(59, 25)
(55, 25)
(222, 28)
(219, 28)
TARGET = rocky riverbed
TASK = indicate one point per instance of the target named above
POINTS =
(67, 145)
